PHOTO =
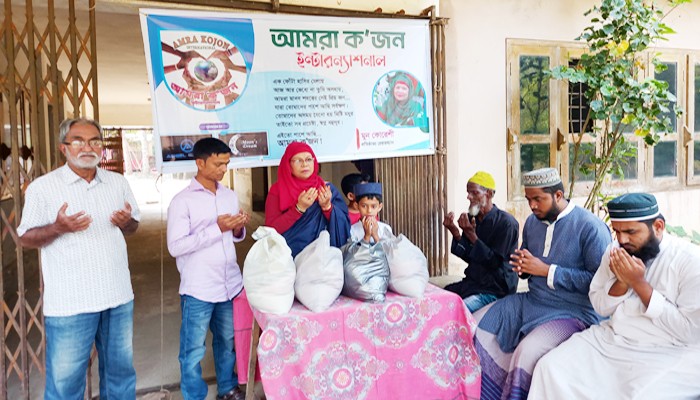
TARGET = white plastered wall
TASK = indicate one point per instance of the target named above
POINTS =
(133, 107)
(476, 85)
(119, 36)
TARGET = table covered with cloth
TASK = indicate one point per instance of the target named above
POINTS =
(404, 348)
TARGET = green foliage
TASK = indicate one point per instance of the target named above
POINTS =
(534, 95)
(693, 237)
(620, 99)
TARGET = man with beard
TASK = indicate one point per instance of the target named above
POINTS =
(648, 284)
(78, 215)
(561, 250)
(489, 236)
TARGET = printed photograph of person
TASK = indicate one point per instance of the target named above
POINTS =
(399, 100)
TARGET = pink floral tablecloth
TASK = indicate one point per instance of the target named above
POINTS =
(403, 348)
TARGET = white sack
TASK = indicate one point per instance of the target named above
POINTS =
(269, 272)
(319, 274)
(408, 266)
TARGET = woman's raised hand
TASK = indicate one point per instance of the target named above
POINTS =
(307, 198)
(324, 197)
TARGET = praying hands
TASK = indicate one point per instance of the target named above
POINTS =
(306, 198)
(524, 262)
(629, 271)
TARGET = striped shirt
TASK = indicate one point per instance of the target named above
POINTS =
(86, 271)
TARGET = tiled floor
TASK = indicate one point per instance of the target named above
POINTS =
(177, 395)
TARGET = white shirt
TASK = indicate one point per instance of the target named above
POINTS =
(85, 271)
(548, 242)
(673, 315)
(357, 231)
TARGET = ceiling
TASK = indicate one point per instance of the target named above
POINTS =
(121, 64)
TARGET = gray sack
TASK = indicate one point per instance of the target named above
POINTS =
(366, 271)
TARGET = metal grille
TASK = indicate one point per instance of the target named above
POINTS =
(417, 195)
(112, 150)
(578, 105)
(49, 72)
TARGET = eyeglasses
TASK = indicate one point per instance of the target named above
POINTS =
(299, 161)
(79, 144)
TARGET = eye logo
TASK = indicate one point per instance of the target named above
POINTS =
(187, 145)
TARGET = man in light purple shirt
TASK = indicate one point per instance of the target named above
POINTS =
(204, 222)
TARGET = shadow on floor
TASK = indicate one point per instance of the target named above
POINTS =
(155, 280)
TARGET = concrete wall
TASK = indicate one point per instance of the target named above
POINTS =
(119, 36)
(413, 7)
(126, 114)
(476, 86)
(135, 110)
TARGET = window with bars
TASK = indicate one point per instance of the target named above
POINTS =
(545, 117)
(578, 111)
(665, 152)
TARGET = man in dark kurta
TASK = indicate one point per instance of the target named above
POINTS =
(489, 235)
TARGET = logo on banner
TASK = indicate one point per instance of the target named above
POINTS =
(202, 69)
(246, 144)
(187, 145)
(179, 148)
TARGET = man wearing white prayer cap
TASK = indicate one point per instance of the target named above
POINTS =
(562, 245)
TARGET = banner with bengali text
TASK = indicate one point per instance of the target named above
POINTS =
(352, 88)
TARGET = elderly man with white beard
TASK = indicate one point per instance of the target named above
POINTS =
(489, 236)
(78, 215)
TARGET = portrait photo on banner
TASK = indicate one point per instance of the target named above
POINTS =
(399, 100)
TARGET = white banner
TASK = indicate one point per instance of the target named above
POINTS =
(352, 88)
